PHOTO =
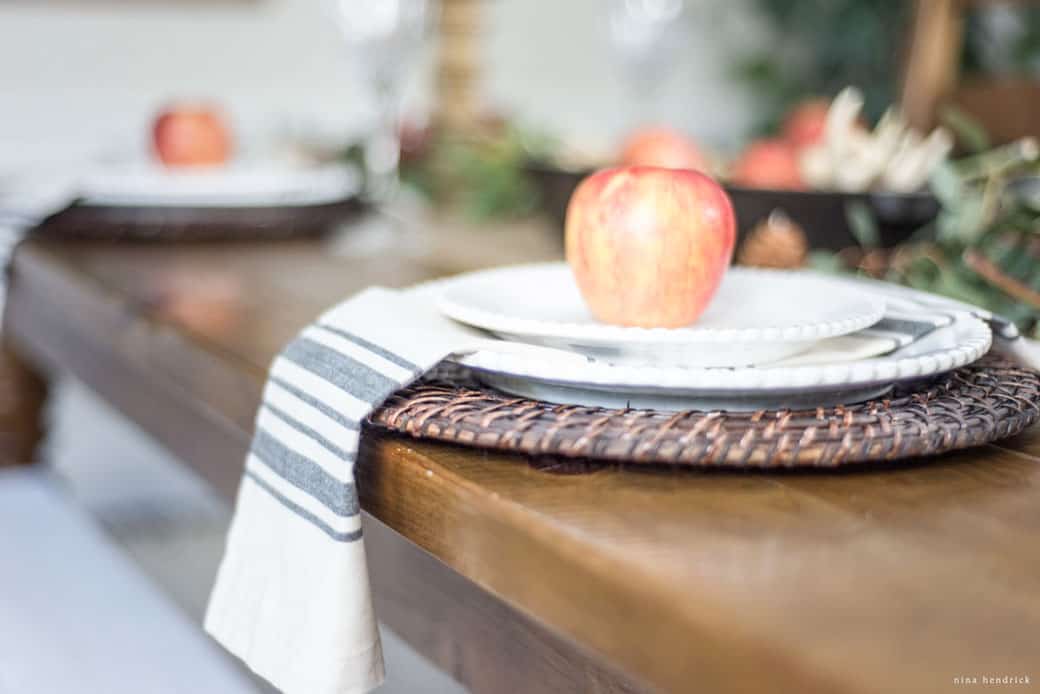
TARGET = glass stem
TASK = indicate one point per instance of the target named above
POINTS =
(382, 150)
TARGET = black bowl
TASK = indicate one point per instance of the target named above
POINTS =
(555, 187)
(824, 215)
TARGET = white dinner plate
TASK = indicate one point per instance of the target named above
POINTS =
(242, 185)
(757, 316)
(596, 383)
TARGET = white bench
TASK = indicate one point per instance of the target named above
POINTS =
(76, 617)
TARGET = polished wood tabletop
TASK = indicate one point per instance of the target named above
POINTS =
(902, 577)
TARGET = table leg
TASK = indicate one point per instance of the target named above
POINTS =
(23, 393)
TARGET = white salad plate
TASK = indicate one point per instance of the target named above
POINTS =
(756, 317)
(601, 384)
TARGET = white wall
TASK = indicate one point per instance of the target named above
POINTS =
(550, 62)
(73, 74)
(78, 75)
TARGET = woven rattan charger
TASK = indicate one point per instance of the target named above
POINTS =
(977, 404)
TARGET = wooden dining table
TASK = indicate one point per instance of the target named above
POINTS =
(512, 576)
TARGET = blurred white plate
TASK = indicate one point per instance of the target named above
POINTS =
(241, 185)
(757, 316)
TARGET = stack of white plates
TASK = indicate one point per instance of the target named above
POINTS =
(769, 339)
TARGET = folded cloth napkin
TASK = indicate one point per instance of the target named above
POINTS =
(292, 594)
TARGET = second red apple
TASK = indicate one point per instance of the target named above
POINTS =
(771, 164)
(806, 124)
(662, 147)
(191, 135)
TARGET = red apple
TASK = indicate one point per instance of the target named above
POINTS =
(664, 148)
(191, 135)
(805, 124)
(648, 246)
(768, 164)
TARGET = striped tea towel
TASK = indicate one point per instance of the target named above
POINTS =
(292, 595)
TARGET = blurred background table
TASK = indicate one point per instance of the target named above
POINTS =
(513, 578)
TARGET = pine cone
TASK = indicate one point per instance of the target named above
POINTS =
(876, 262)
(776, 242)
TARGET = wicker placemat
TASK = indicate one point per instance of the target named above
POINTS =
(986, 401)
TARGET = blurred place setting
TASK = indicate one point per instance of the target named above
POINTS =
(519, 345)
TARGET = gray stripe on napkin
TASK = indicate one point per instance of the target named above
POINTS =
(346, 456)
(330, 412)
(374, 348)
(306, 475)
(350, 375)
(352, 536)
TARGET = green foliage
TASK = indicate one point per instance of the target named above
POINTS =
(483, 176)
(984, 247)
(968, 131)
(822, 46)
(825, 261)
(1004, 52)
(862, 224)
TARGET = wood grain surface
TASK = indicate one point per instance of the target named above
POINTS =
(23, 394)
(891, 578)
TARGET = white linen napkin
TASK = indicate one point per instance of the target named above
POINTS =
(292, 595)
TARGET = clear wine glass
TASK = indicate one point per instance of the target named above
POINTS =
(385, 39)
(645, 37)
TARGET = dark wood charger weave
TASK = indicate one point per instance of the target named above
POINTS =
(986, 401)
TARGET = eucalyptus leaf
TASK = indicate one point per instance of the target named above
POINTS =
(1026, 192)
(1020, 266)
(954, 284)
(1017, 311)
(964, 221)
(946, 184)
(825, 261)
(863, 224)
(966, 127)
